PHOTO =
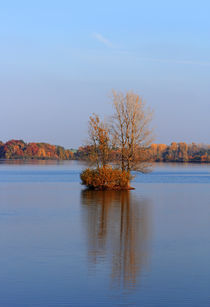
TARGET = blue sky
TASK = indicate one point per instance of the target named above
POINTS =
(61, 59)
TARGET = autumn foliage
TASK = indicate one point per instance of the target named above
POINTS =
(106, 178)
(18, 149)
(180, 152)
(176, 152)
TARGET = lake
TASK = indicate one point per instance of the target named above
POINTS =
(62, 245)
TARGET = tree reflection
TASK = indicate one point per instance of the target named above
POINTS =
(117, 230)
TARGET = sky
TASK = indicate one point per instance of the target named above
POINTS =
(60, 60)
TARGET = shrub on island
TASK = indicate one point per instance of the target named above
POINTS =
(106, 178)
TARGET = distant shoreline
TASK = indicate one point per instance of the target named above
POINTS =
(80, 160)
(174, 153)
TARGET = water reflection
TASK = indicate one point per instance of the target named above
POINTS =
(30, 162)
(117, 227)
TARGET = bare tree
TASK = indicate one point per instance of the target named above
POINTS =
(99, 141)
(131, 133)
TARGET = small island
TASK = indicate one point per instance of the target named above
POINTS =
(128, 133)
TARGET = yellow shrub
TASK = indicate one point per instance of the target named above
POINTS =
(105, 178)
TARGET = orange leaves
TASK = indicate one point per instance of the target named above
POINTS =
(41, 153)
(17, 149)
(99, 141)
(180, 152)
(105, 178)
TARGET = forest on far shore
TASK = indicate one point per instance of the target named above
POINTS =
(176, 152)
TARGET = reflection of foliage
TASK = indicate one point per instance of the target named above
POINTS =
(117, 230)
(18, 149)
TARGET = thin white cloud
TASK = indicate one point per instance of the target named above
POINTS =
(103, 40)
(162, 60)
(109, 44)
(185, 62)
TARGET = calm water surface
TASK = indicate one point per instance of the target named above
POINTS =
(64, 246)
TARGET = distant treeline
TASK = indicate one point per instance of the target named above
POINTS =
(180, 152)
(176, 152)
(18, 149)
